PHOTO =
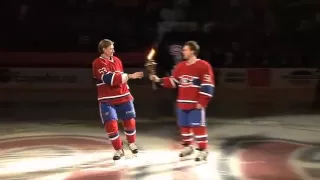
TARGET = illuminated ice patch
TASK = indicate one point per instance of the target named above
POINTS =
(151, 165)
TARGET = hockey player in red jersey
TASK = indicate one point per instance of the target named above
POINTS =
(195, 82)
(114, 97)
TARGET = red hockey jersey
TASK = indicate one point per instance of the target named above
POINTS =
(109, 76)
(195, 83)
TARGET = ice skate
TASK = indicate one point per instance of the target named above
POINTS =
(187, 151)
(202, 155)
(133, 148)
(118, 154)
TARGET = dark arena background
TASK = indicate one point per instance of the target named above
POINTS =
(263, 121)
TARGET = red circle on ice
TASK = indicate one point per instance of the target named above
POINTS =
(84, 144)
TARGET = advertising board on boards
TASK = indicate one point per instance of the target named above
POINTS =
(233, 77)
(45, 77)
(295, 78)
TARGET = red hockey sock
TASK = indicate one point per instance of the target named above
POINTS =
(130, 130)
(201, 136)
(187, 136)
(111, 128)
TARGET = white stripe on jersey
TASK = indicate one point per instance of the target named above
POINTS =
(194, 77)
(111, 97)
(208, 85)
(181, 86)
(186, 101)
(172, 82)
(206, 94)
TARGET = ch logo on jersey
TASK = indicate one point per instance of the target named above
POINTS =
(102, 70)
(186, 81)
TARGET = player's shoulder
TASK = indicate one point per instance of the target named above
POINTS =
(203, 62)
(116, 58)
(96, 60)
(181, 63)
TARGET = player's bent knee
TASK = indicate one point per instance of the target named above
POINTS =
(129, 123)
(111, 126)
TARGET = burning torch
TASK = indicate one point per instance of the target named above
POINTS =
(151, 65)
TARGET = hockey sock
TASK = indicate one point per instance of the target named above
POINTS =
(201, 136)
(130, 130)
(111, 127)
(187, 136)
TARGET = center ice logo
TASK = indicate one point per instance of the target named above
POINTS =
(86, 158)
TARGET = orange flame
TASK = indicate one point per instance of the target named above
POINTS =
(151, 54)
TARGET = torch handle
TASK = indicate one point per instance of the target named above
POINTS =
(154, 86)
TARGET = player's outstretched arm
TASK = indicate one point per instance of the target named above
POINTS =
(117, 78)
(106, 76)
(136, 75)
(167, 82)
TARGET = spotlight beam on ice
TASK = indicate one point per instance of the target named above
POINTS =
(148, 165)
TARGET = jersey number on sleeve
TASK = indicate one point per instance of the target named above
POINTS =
(102, 70)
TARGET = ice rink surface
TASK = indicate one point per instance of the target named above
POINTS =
(277, 148)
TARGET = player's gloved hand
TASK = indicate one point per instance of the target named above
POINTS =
(136, 75)
(154, 78)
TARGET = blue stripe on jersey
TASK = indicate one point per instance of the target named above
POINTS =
(98, 81)
(107, 78)
(197, 82)
(208, 89)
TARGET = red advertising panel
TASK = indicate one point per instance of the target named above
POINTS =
(259, 77)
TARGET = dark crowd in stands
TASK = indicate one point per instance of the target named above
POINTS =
(232, 33)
